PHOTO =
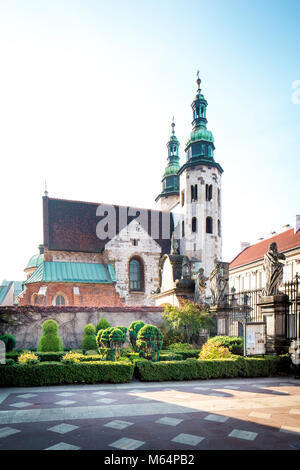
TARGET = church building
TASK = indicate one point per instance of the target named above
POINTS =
(107, 255)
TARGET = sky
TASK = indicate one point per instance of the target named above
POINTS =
(88, 89)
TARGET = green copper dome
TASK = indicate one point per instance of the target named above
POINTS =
(172, 169)
(200, 133)
(35, 261)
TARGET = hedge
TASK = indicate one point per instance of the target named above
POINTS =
(55, 373)
(193, 369)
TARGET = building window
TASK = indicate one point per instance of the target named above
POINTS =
(219, 198)
(182, 229)
(35, 299)
(60, 300)
(194, 224)
(209, 225)
(208, 192)
(219, 228)
(194, 192)
(182, 198)
(136, 281)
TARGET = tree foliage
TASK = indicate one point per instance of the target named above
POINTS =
(188, 320)
(149, 342)
(134, 328)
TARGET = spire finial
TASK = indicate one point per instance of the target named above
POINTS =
(198, 80)
(173, 125)
(46, 192)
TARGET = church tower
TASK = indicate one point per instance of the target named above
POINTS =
(200, 194)
(169, 196)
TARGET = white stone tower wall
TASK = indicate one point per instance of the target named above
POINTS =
(208, 246)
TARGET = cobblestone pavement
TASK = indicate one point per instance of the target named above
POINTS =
(222, 414)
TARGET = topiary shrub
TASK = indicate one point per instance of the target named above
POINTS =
(9, 340)
(89, 338)
(133, 330)
(50, 341)
(149, 341)
(116, 340)
(102, 324)
(234, 343)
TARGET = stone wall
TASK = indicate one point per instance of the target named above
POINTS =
(25, 323)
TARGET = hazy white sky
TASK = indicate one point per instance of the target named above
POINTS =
(88, 89)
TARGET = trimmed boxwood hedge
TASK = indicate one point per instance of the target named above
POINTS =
(54, 373)
(192, 369)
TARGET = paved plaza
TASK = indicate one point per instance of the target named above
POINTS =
(221, 414)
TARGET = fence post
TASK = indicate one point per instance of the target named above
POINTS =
(274, 309)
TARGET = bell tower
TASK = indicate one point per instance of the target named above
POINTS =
(169, 196)
(200, 193)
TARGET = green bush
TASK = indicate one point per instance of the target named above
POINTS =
(214, 350)
(89, 338)
(117, 338)
(133, 330)
(149, 342)
(102, 324)
(54, 373)
(170, 356)
(192, 369)
(178, 347)
(234, 343)
(50, 341)
(9, 340)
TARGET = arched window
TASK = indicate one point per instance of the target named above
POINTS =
(60, 300)
(209, 225)
(136, 275)
(194, 224)
(219, 228)
(182, 229)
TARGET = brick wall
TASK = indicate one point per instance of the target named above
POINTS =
(93, 295)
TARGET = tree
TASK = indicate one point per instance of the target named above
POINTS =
(149, 342)
(133, 329)
(188, 320)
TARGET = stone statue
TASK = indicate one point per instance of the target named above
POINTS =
(186, 268)
(174, 245)
(273, 269)
(218, 280)
(200, 287)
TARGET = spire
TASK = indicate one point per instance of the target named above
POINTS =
(199, 107)
(45, 192)
(170, 179)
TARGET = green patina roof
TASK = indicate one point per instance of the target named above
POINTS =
(35, 261)
(200, 134)
(73, 272)
(171, 169)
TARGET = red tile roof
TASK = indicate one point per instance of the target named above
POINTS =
(285, 241)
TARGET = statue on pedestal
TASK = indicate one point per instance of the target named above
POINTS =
(200, 287)
(218, 280)
(273, 269)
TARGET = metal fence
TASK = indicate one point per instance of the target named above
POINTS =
(242, 307)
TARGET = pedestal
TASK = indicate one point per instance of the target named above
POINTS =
(274, 309)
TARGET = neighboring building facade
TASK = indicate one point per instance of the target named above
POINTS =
(246, 270)
(9, 290)
(84, 260)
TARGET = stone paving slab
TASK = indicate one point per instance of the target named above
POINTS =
(226, 414)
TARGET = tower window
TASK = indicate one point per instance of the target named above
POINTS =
(182, 229)
(208, 192)
(219, 228)
(219, 198)
(209, 225)
(194, 192)
(194, 224)
(136, 278)
(182, 198)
